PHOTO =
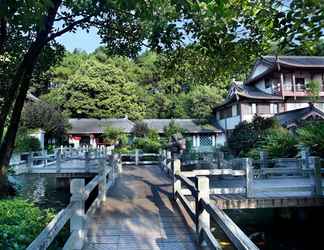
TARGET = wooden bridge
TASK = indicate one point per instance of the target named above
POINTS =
(165, 206)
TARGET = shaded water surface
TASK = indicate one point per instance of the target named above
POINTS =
(42, 191)
(278, 228)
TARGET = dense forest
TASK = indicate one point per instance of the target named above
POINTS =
(150, 86)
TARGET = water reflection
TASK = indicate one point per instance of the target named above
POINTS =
(42, 190)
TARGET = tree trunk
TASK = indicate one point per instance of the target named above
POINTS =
(21, 82)
(6, 189)
(29, 60)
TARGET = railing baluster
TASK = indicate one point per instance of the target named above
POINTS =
(77, 222)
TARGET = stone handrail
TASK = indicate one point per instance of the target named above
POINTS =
(75, 211)
(202, 212)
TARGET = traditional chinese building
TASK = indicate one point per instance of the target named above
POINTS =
(275, 85)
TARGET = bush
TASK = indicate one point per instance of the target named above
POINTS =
(149, 144)
(278, 142)
(115, 136)
(20, 223)
(27, 143)
(246, 135)
(312, 136)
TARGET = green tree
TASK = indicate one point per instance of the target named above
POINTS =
(41, 115)
(247, 135)
(115, 136)
(90, 88)
(312, 136)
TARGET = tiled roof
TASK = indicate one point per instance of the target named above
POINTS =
(252, 92)
(190, 125)
(297, 61)
(247, 91)
(97, 126)
(294, 116)
(272, 62)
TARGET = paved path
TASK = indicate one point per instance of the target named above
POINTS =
(139, 215)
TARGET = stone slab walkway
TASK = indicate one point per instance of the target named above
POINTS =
(139, 215)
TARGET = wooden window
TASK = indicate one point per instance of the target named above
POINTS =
(246, 108)
(263, 108)
(300, 84)
(273, 108)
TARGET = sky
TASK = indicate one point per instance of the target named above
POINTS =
(80, 40)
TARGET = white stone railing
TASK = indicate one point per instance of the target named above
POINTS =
(75, 211)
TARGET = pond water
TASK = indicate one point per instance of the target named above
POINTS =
(42, 191)
(271, 229)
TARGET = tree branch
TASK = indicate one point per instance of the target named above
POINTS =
(68, 28)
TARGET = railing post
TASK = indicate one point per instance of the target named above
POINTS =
(315, 163)
(203, 217)
(136, 157)
(169, 162)
(29, 162)
(304, 154)
(77, 222)
(119, 164)
(58, 161)
(247, 165)
(176, 182)
(44, 155)
(87, 159)
(103, 180)
(220, 159)
(263, 159)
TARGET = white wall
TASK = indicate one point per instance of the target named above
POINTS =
(40, 135)
(292, 106)
(220, 139)
(230, 123)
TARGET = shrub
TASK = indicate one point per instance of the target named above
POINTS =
(150, 144)
(312, 136)
(27, 143)
(20, 223)
(115, 136)
(246, 135)
(140, 129)
(278, 142)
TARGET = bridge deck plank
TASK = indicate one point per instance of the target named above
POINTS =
(139, 214)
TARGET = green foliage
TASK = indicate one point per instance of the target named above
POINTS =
(115, 136)
(20, 223)
(150, 143)
(94, 89)
(278, 142)
(314, 88)
(312, 136)
(172, 129)
(25, 142)
(140, 129)
(41, 115)
(246, 135)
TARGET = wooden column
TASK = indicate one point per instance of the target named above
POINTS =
(77, 222)
(247, 165)
(29, 162)
(203, 217)
(294, 84)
